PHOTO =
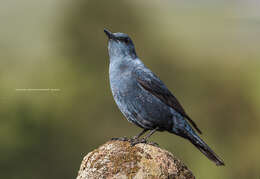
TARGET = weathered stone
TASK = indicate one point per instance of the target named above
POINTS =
(119, 160)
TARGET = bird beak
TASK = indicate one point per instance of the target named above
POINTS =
(109, 34)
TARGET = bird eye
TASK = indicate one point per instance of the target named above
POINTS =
(126, 40)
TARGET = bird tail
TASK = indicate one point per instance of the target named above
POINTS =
(204, 148)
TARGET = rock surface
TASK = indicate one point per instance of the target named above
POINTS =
(118, 159)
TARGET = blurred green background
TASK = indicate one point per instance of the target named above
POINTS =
(207, 52)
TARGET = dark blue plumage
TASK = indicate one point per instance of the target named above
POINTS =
(144, 99)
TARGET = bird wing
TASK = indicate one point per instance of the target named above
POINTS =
(150, 82)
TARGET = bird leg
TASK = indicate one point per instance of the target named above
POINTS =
(120, 138)
(131, 139)
(150, 133)
(144, 140)
(140, 134)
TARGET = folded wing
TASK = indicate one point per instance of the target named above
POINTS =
(150, 82)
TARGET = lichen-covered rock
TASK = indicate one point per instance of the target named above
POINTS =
(118, 159)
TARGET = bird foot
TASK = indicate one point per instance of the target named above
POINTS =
(134, 138)
(152, 143)
(120, 138)
(135, 141)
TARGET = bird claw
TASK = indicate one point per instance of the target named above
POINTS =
(135, 138)
(134, 141)
(153, 144)
(120, 138)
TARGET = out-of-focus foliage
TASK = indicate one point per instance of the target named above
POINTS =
(206, 52)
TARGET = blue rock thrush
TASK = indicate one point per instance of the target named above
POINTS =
(144, 99)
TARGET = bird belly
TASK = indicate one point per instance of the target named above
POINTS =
(151, 109)
(141, 107)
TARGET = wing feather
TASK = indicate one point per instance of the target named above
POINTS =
(150, 82)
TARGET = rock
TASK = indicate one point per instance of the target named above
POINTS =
(118, 159)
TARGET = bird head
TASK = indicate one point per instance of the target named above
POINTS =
(120, 45)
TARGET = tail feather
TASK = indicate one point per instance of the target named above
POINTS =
(205, 149)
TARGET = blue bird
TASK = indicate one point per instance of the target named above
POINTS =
(144, 99)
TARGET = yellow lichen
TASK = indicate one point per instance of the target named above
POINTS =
(126, 159)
